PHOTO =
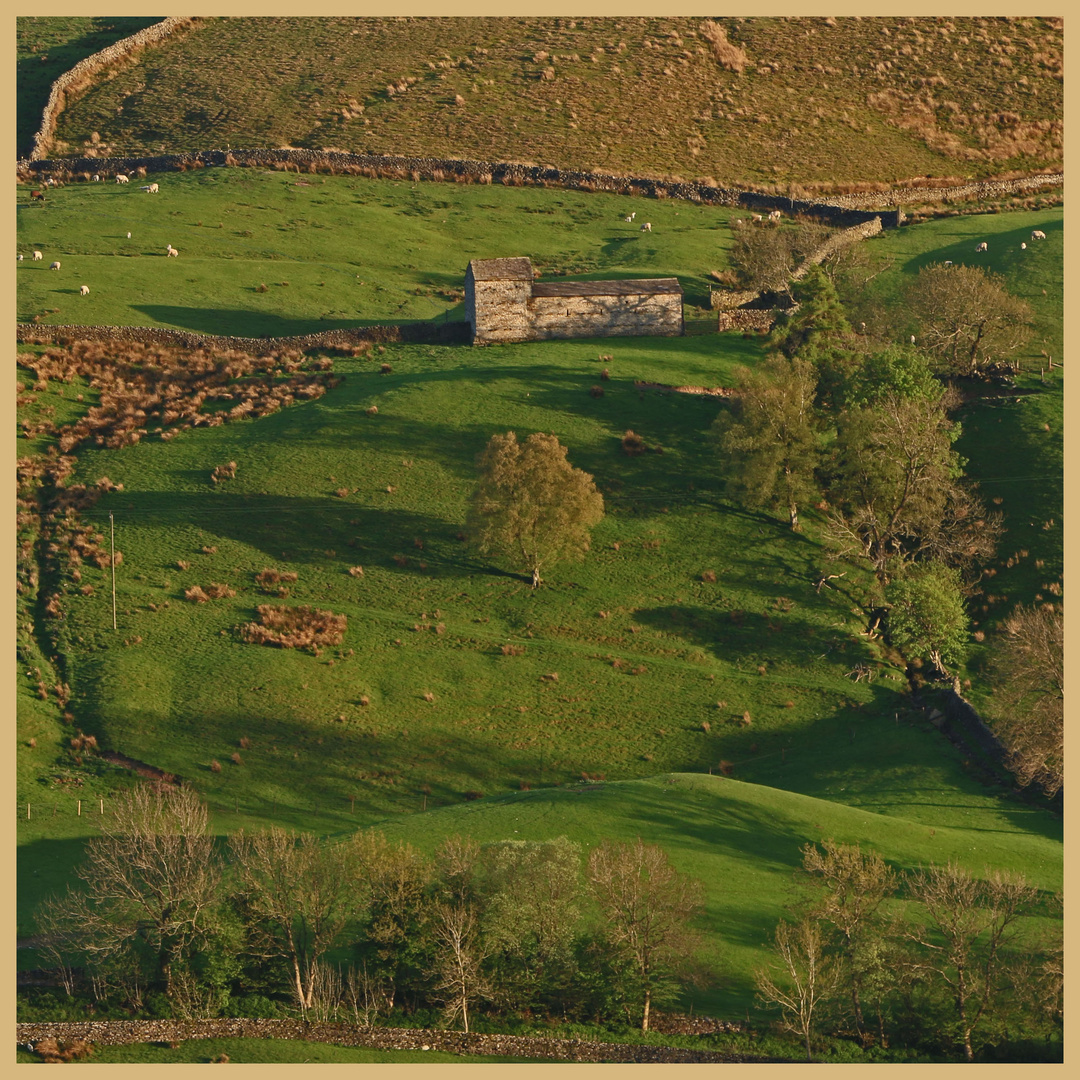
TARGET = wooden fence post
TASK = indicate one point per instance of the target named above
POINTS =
(80, 808)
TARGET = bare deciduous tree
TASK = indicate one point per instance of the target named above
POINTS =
(968, 922)
(966, 316)
(301, 893)
(532, 506)
(804, 977)
(647, 906)
(853, 886)
(1031, 666)
(151, 881)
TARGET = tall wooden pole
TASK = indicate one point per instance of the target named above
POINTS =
(112, 561)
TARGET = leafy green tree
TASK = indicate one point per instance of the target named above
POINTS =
(927, 617)
(819, 332)
(966, 316)
(532, 506)
(534, 895)
(769, 436)
(893, 475)
(647, 906)
(896, 371)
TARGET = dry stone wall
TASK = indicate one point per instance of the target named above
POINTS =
(842, 210)
(498, 309)
(79, 76)
(126, 1032)
(448, 333)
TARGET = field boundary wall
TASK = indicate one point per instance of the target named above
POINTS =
(126, 1032)
(78, 77)
(841, 210)
(434, 333)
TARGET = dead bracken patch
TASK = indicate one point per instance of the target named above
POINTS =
(299, 627)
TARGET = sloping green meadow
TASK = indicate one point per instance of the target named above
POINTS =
(631, 666)
(333, 251)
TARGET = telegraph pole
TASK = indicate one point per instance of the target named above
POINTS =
(112, 561)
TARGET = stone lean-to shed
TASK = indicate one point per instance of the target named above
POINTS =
(505, 302)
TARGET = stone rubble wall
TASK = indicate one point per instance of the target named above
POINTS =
(840, 210)
(79, 76)
(126, 1032)
(441, 333)
(499, 311)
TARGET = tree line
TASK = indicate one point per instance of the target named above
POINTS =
(167, 921)
(862, 428)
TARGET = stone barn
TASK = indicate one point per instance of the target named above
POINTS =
(505, 302)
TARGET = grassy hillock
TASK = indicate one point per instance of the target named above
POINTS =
(776, 101)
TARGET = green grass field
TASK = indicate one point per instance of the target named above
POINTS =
(332, 251)
(655, 665)
(937, 97)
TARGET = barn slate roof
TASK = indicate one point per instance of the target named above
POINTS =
(514, 269)
(631, 287)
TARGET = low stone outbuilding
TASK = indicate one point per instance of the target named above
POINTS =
(505, 302)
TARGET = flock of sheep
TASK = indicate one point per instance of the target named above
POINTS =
(39, 196)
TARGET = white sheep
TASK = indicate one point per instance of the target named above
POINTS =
(19, 257)
(912, 339)
(1038, 234)
(982, 247)
(774, 215)
(1023, 246)
(121, 178)
(95, 178)
(38, 256)
(84, 290)
(55, 266)
(152, 189)
(755, 218)
(633, 215)
(129, 236)
(628, 218)
(170, 251)
(948, 262)
(647, 227)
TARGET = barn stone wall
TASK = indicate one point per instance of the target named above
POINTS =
(499, 310)
(657, 314)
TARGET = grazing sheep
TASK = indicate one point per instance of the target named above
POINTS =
(948, 262)
(755, 218)
(1038, 234)
(647, 227)
(982, 247)
(95, 179)
(150, 188)
(1023, 246)
(84, 290)
(912, 339)
(633, 215)
(170, 251)
(54, 266)
(774, 215)
(129, 236)
(628, 218)
(37, 256)
(19, 257)
(121, 178)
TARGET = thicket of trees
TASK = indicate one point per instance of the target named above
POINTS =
(165, 920)
(955, 968)
(274, 923)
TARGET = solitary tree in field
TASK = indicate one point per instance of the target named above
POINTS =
(967, 317)
(769, 436)
(532, 507)
(1032, 695)
(647, 907)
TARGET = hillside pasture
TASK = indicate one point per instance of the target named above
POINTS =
(331, 251)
